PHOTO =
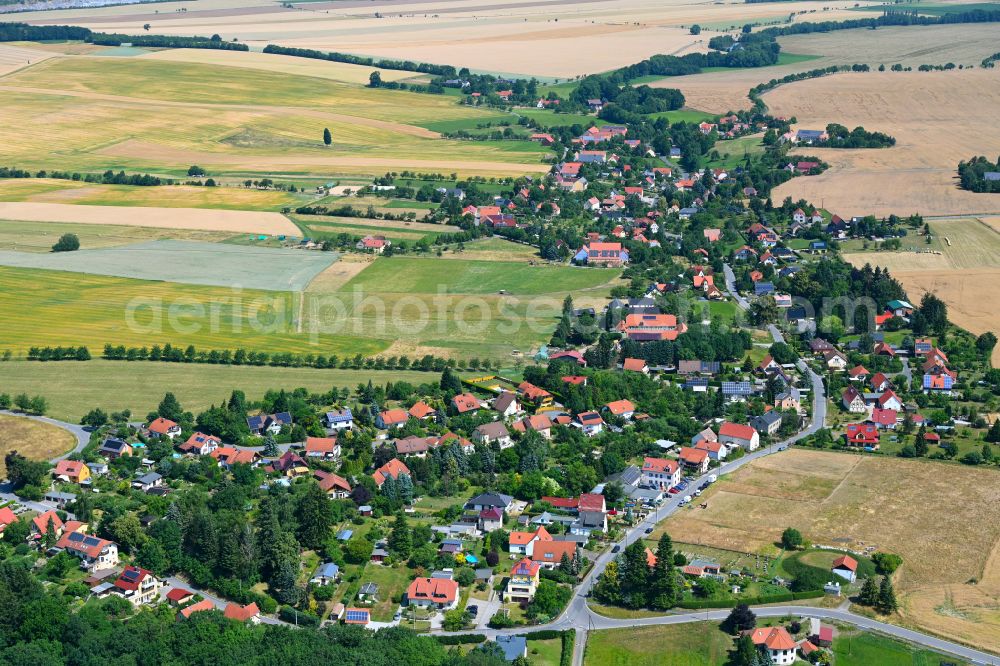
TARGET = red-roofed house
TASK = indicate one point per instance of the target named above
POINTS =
(562, 502)
(391, 418)
(862, 434)
(778, 642)
(162, 427)
(716, 450)
(592, 502)
(376, 244)
(884, 418)
(694, 459)
(889, 400)
(333, 485)
(6, 518)
(421, 410)
(94, 553)
(243, 613)
(622, 408)
(880, 382)
(649, 327)
(846, 567)
(853, 401)
(858, 373)
(523, 543)
(40, 523)
(523, 581)
(228, 456)
(200, 444)
(591, 423)
(466, 402)
(535, 394)
(179, 596)
(322, 447)
(203, 605)
(73, 471)
(549, 553)
(432, 592)
(391, 470)
(635, 365)
(735, 434)
(660, 472)
(540, 423)
(138, 586)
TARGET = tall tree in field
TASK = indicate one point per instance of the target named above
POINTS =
(67, 243)
(327, 137)
(869, 592)
(401, 537)
(663, 588)
(170, 408)
(887, 596)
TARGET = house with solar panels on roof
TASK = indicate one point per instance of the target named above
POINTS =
(94, 553)
(264, 424)
(139, 586)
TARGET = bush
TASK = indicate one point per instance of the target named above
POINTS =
(460, 639)
(297, 617)
(67, 243)
(886, 563)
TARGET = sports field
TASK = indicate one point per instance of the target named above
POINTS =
(73, 389)
(928, 513)
(117, 113)
(32, 439)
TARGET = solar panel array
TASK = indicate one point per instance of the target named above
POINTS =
(357, 616)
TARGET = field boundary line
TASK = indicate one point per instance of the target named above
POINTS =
(843, 480)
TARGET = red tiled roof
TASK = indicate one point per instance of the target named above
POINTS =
(523, 538)
(421, 410)
(591, 502)
(161, 426)
(437, 590)
(659, 465)
(394, 416)
(693, 456)
(775, 638)
(70, 468)
(41, 521)
(619, 407)
(7, 516)
(847, 562)
(551, 552)
(393, 469)
(203, 605)
(321, 444)
(562, 502)
(179, 593)
(532, 392)
(525, 568)
(241, 613)
(737, 430)
(634, 364)
(466, 402)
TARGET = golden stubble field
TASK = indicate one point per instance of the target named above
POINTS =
(963, 270)
(942, 519)
(938, 119)
(552, 38)
(32, 439)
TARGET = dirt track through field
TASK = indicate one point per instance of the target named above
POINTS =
(235, 221)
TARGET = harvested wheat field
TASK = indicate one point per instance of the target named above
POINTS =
(32, 439)
(938, 119)
(549, 38)
(940, 518)
(15, 57)
(963, 269)
(236, 221)
(718, 92)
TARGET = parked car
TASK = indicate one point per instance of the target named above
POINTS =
(473, 610)
(616, 548)
(649, 530)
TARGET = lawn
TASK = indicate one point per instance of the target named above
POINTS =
(732, 153)
(676, 645)
(32, 439)
(545, 653)
(547, 118)
(929, 9)
(392, 582)
(684, 116)
(862, 649)
(74, 388)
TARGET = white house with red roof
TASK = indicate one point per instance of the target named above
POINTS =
(862, 434)
(635, 365)
(523, 543)
(716, 450)
(137, 585)
(737, 434)
(200, 444)
(660, 473)
(846, 567)
(778, 643)
(374, 244)
(95, 554)
(889, 400)
(162, 427)
(623, 408)
(391, 470)
(441, 593)
(250, 612)
(324, 448)
(853, 400)
(590, 422)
